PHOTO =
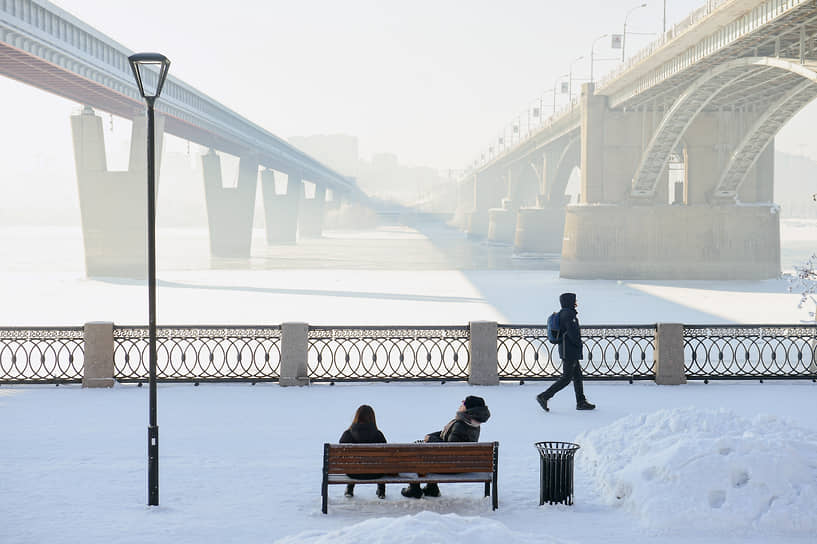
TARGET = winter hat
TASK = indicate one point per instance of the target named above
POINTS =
(472, 401)
(567, 300)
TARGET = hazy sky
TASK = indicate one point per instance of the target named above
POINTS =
(431, 81)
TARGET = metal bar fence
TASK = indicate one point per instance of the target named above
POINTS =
(713, 352)
(214, 353)
(611, 352)
(41, 355)
(388, 353)
(253, 353)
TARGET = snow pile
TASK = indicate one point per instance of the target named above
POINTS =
(706, 469)
(421, 528)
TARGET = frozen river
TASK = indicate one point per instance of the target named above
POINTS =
(427, 274)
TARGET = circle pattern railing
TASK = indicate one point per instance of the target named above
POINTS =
(611, 352)
(46, 355)
(750, 351)
(199, 354)
(388, 353)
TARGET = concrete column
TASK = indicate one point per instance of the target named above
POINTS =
(482, 344)
(98, 353)
(310, 220)
(669, 354)
(294, 346)
(230, 209)
(281, 211)
(594, 108)
(539, 230)
(488, 193)
(113, 205)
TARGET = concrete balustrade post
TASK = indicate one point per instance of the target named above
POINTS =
(98, 354)
(669, 354)
(294, 345)
(482, 344)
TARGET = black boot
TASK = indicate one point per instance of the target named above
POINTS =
(584, 405)
(381, 491)
(431, 490)
(543, 401)
(350, 490)
(413, 491)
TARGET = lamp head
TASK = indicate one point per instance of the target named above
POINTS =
(150, 71)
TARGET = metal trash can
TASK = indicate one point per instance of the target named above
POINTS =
(556, 471)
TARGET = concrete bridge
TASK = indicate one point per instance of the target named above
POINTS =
(708, 98)
(46, 47)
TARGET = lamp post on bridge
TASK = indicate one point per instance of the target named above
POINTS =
(624, 35)
(570, 80)
(592, 54)
(555, 84)
(150, 71)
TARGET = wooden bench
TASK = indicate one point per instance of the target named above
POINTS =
(437, 462)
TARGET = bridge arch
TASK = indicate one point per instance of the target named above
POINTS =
(749, 73)
(569, 159)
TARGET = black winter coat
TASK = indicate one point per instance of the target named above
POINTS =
(570, 346)
(362, 433)
(464, 427)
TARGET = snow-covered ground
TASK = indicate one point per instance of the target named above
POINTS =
(723, 462)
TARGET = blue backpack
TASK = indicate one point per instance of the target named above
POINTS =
(553, 328)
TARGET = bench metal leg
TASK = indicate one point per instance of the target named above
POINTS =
(487, 488)
(324, 493)
(494, 497)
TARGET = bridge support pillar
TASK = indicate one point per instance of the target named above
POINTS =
(310, 220)
(539, 230)
(671, 242)
(502, 223)
(487, 193)
(229, 209)
(113, 205)
(281, 211)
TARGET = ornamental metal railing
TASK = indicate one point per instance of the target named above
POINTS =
(611, 352)
(731, 352)
(214, 353)
(41, 355)
(388, 353)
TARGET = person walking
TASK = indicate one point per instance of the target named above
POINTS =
(363, 430)
(464, 427)
(571, 351)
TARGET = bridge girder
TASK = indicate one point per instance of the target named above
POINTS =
(740, 81)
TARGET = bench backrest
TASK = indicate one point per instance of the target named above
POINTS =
(439, 458)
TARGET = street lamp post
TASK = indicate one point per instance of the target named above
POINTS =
(592, 54)
(624, 34)
(150, 71)
(570, 78)
(555, 83)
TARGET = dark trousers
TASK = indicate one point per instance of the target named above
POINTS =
(571, 370)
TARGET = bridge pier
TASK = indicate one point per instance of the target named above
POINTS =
(539, 230)
(229, 209)
(113, 205)
(310, 218)
(281, 210)
(671, 242)
(488, 192)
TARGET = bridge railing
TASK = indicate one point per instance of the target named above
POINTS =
(414, 353)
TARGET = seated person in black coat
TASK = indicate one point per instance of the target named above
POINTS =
(363, 430)
(463, 428)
